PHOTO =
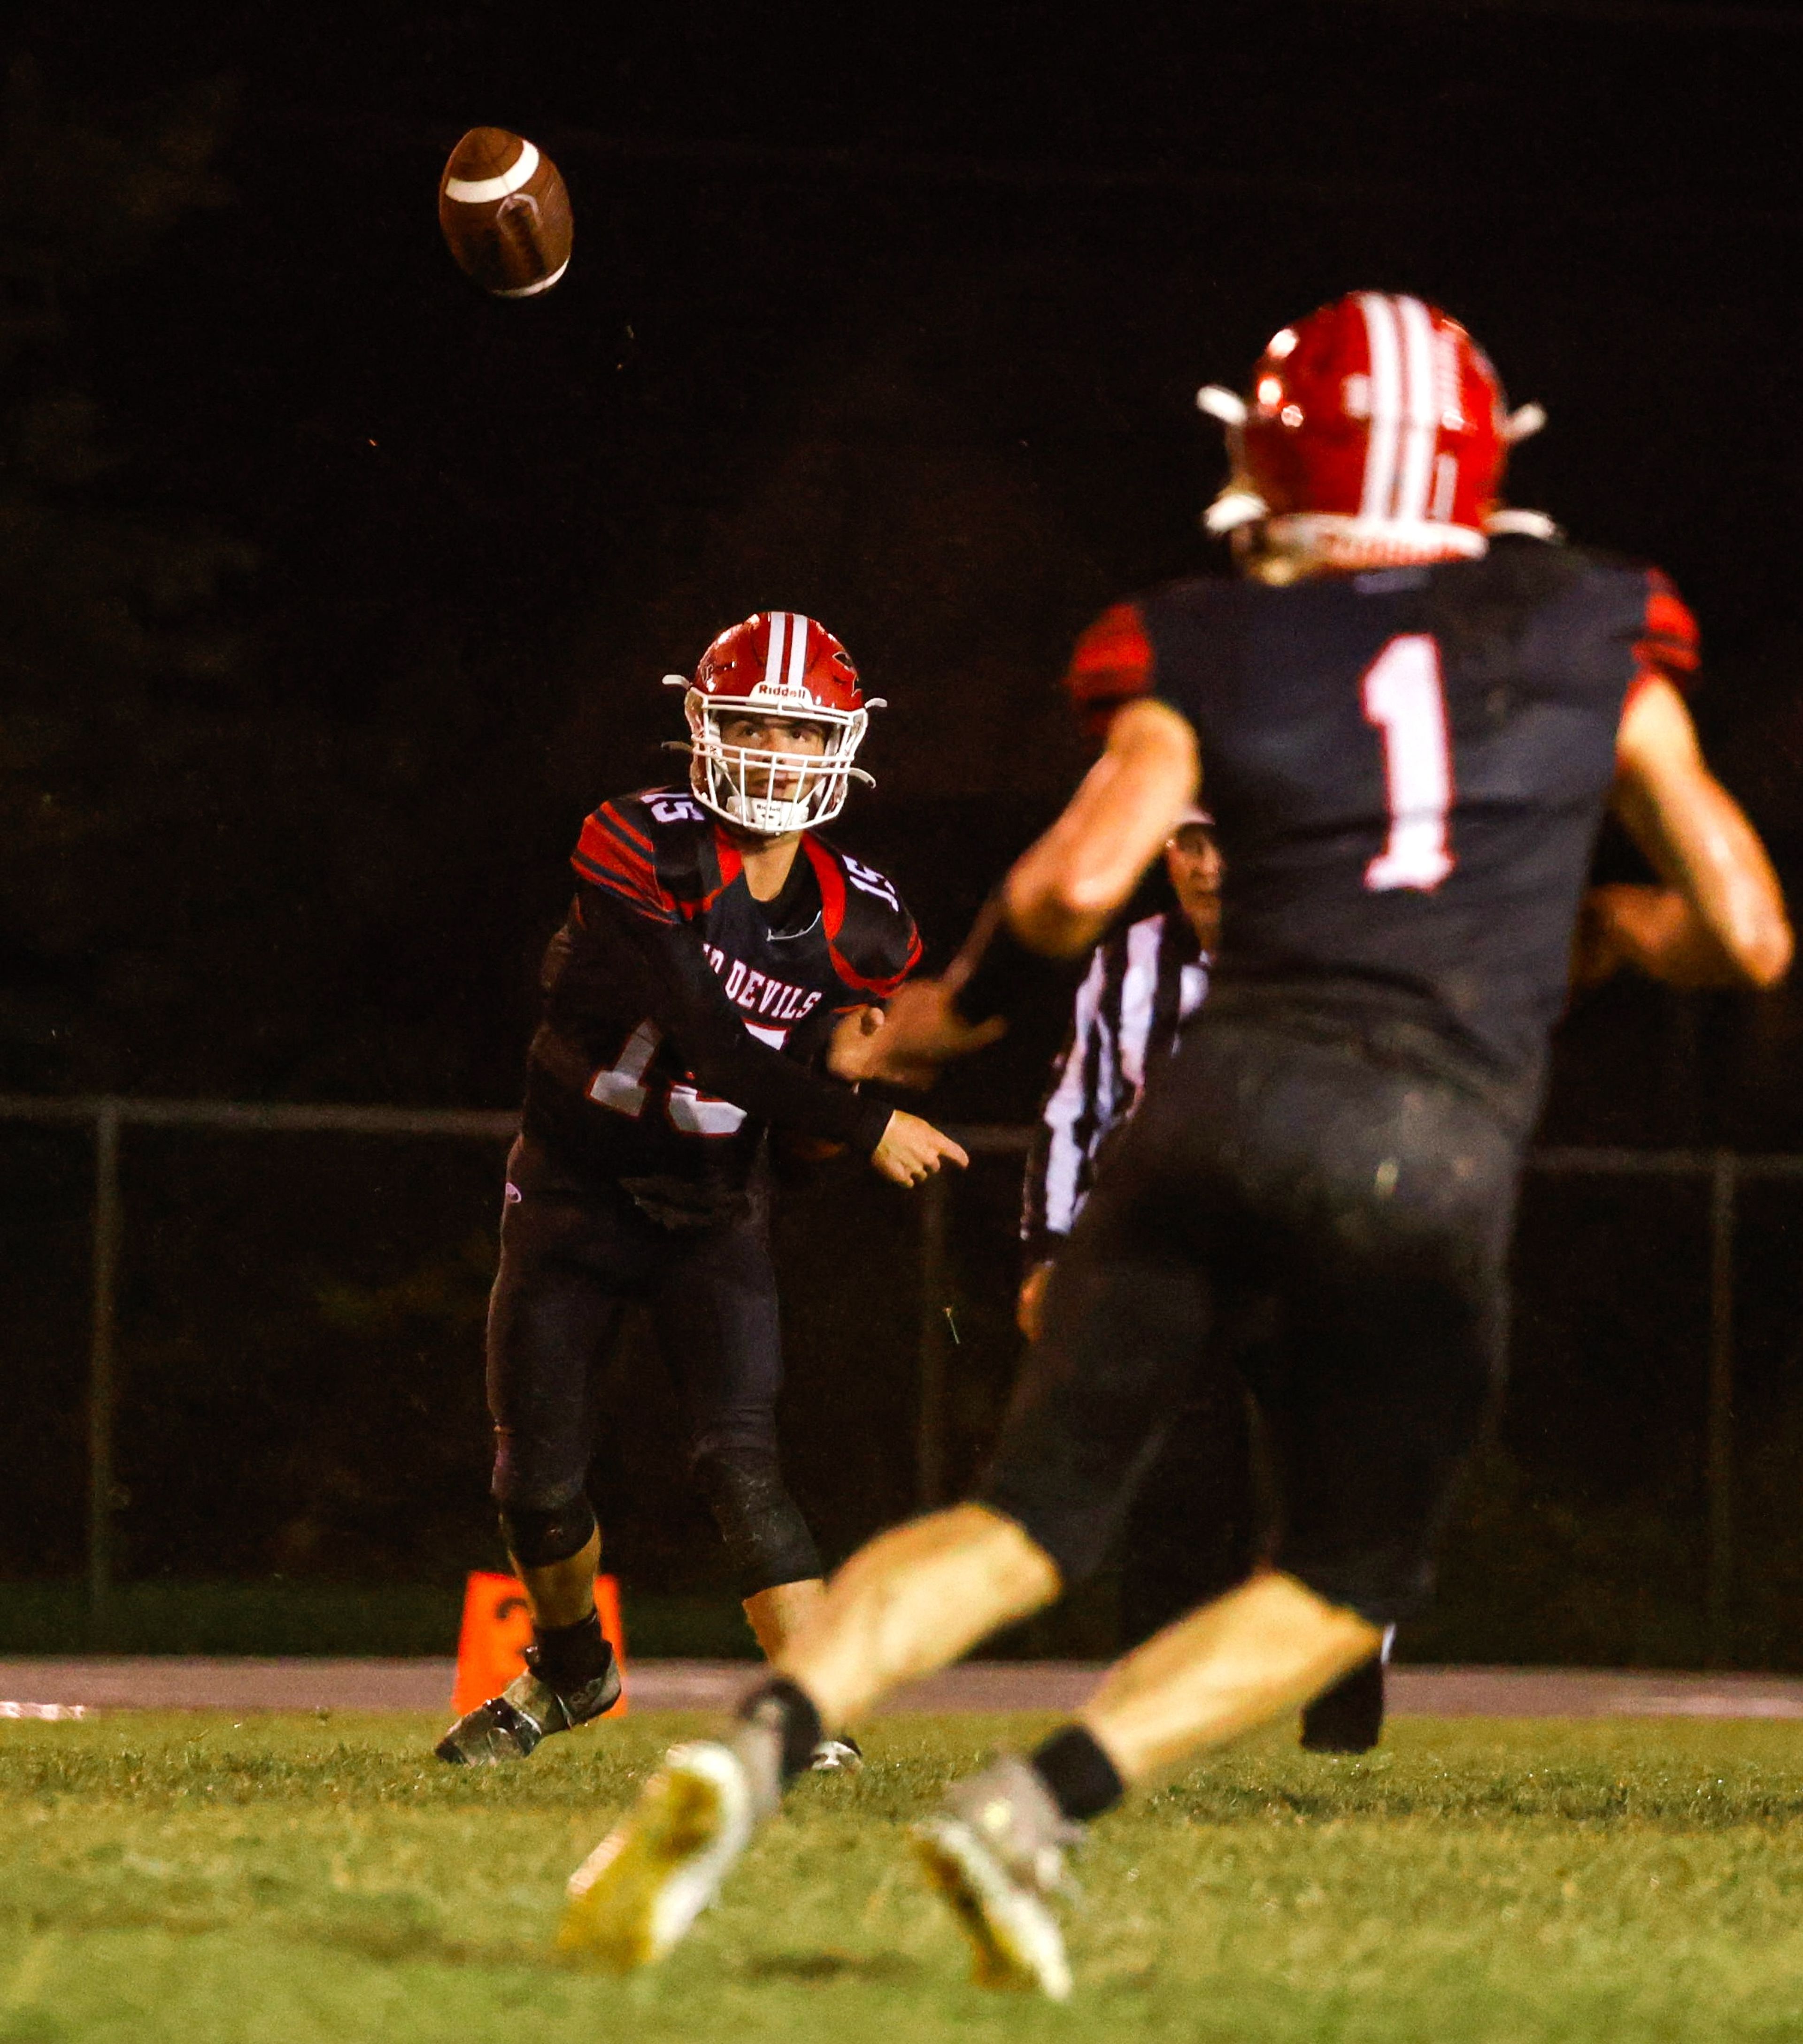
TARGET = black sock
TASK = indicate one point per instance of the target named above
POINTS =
(791, 1712)
(1081, 1777)
(568, 1656)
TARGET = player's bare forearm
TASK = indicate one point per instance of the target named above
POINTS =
(1719, 919)
(847, 1051)
(1062, 892)
(921, 1032)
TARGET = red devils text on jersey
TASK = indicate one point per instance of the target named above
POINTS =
(682, 1016)
(1409, 767)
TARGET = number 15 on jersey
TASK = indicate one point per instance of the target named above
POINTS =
(628, 1084)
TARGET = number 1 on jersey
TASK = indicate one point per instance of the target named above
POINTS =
(1405, 698)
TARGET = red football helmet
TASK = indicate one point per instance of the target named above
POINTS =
(1376, 431)
(776, 662)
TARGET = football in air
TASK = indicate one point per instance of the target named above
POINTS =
(505, 213)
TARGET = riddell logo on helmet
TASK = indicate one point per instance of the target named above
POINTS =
(784, 694)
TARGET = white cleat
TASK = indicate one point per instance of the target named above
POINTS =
(636, 1894)
(840, 1754)
(1015, 1940)
(995, 1852)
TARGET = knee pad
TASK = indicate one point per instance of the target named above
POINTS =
(535, 1539)
(766, 1535)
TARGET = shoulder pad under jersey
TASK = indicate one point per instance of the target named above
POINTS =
(1667, 644)
(869, 931)
(651, 850)
(1112, 662)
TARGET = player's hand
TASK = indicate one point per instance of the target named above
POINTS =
(1653, 929)
(1597, 952)
(912, 1150)
(847, 1053)
(921, 1031)
(1030, 1299)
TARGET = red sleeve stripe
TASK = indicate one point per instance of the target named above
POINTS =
(632, 898)
(609, 860)
(1669, 643)
(609, 814)
(1112, 662)
(608, 820)
(832, 883)
(880, 989)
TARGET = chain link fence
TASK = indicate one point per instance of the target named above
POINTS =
(246, 1340)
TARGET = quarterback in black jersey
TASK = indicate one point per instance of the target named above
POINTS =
(1408, 721)
(719, 959)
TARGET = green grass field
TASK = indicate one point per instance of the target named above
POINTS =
(310, 1879)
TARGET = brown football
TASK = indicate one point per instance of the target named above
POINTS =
(505, 213)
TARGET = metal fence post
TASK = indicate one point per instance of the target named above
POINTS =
(929, 1424)
(1719, 1634)
(102, 1384)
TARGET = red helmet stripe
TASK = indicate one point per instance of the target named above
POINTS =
(1385, 403)
(1420, 413)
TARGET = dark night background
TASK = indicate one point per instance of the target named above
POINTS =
(332, 595)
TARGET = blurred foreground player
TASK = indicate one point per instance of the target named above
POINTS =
(717, 953)
(1409, 737)
(1193, 1528)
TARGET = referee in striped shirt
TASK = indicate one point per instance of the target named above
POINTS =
(1143, 982)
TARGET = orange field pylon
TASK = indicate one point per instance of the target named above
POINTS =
(498, 1629)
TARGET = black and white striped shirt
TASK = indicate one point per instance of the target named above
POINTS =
(1141, 984)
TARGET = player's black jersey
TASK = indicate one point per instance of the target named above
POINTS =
(682, 1016)
(1409, 767)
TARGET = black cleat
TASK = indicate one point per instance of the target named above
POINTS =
(527, 1711)
(1348, 1717)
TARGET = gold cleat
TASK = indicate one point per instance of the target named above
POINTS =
(636, 1894)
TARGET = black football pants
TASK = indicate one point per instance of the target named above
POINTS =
(575, 1251)
(1339, 1181)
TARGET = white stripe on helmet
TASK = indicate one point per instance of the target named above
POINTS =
(773, 658)
(797, 650)
(1446, 489)
(1421, 409)
(1384, 428)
